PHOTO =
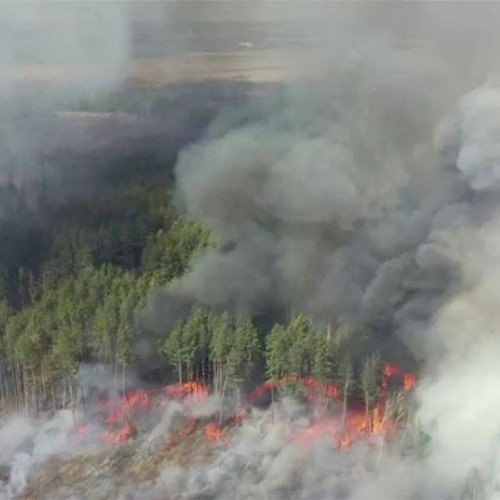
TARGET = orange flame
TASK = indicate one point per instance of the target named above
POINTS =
(120, 436)
(409, 381)
(187, 392)
(391, 370)
(357, 424)
(137, 399)
(213, 432)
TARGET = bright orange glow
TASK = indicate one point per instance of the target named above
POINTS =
(391, 370)
(409, 381)
(328, 421)
(314, 388)
(137, 399)
(214, 432)
(188, 392)
(120, 436)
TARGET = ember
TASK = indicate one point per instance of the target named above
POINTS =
(409, 381)
(342, 429)
(120, 436)
(189, 391)
(213, 432)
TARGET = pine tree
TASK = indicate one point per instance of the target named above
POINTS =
(277, 348)
(301, 346)
(220, 349)
(172, 348)
(245, 349)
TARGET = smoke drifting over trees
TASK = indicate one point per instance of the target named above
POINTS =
(363, 197)
(361, 192)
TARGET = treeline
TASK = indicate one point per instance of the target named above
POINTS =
(70, 293)
(77, 302)
(216, 349)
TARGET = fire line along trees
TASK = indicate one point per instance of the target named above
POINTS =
(213, 348)
(299, 350)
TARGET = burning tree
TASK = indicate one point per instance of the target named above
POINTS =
(370, 383)
(346, 380)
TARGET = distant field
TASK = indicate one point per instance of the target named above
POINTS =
(259, 65)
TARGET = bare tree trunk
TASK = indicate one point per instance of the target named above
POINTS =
(367, 415)
(64, 394)
(54, 403)
(116, 376)
(17, 373)
(272, 404)
(25, 391)
(179, 372)
(34, 402)
(344, 407)
(224, 386)
(44, 386)
(216, 378)
(2, 394)
(123, 382)
(71, 393)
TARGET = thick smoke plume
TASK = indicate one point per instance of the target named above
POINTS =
(365, 195)
(326, 197)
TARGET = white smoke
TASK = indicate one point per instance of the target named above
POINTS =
(28, 443)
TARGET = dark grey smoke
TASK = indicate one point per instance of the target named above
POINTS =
(325, 196)
(367, 195)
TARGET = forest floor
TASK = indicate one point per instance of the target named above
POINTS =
(119, 471)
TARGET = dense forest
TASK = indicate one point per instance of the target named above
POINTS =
(76, 273)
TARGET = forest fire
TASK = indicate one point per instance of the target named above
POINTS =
(186, 430)
(214, 432)
(120, 436)
(188, 392)
(409, 381)
(343, 426)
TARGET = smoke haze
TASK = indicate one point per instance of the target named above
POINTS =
(365, 195)
(363, 192)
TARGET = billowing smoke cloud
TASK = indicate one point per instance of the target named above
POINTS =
(361, 195)
(325, 197)
(366, 195)
(27, 444)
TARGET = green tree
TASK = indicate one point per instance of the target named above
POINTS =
(277, 347)
(220, 349)
(245, 349)
(172, 348)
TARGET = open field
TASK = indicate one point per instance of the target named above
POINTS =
(251, 65)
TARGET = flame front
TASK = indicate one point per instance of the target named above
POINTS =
(343, 428)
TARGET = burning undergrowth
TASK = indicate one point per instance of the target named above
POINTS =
(146, 442)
